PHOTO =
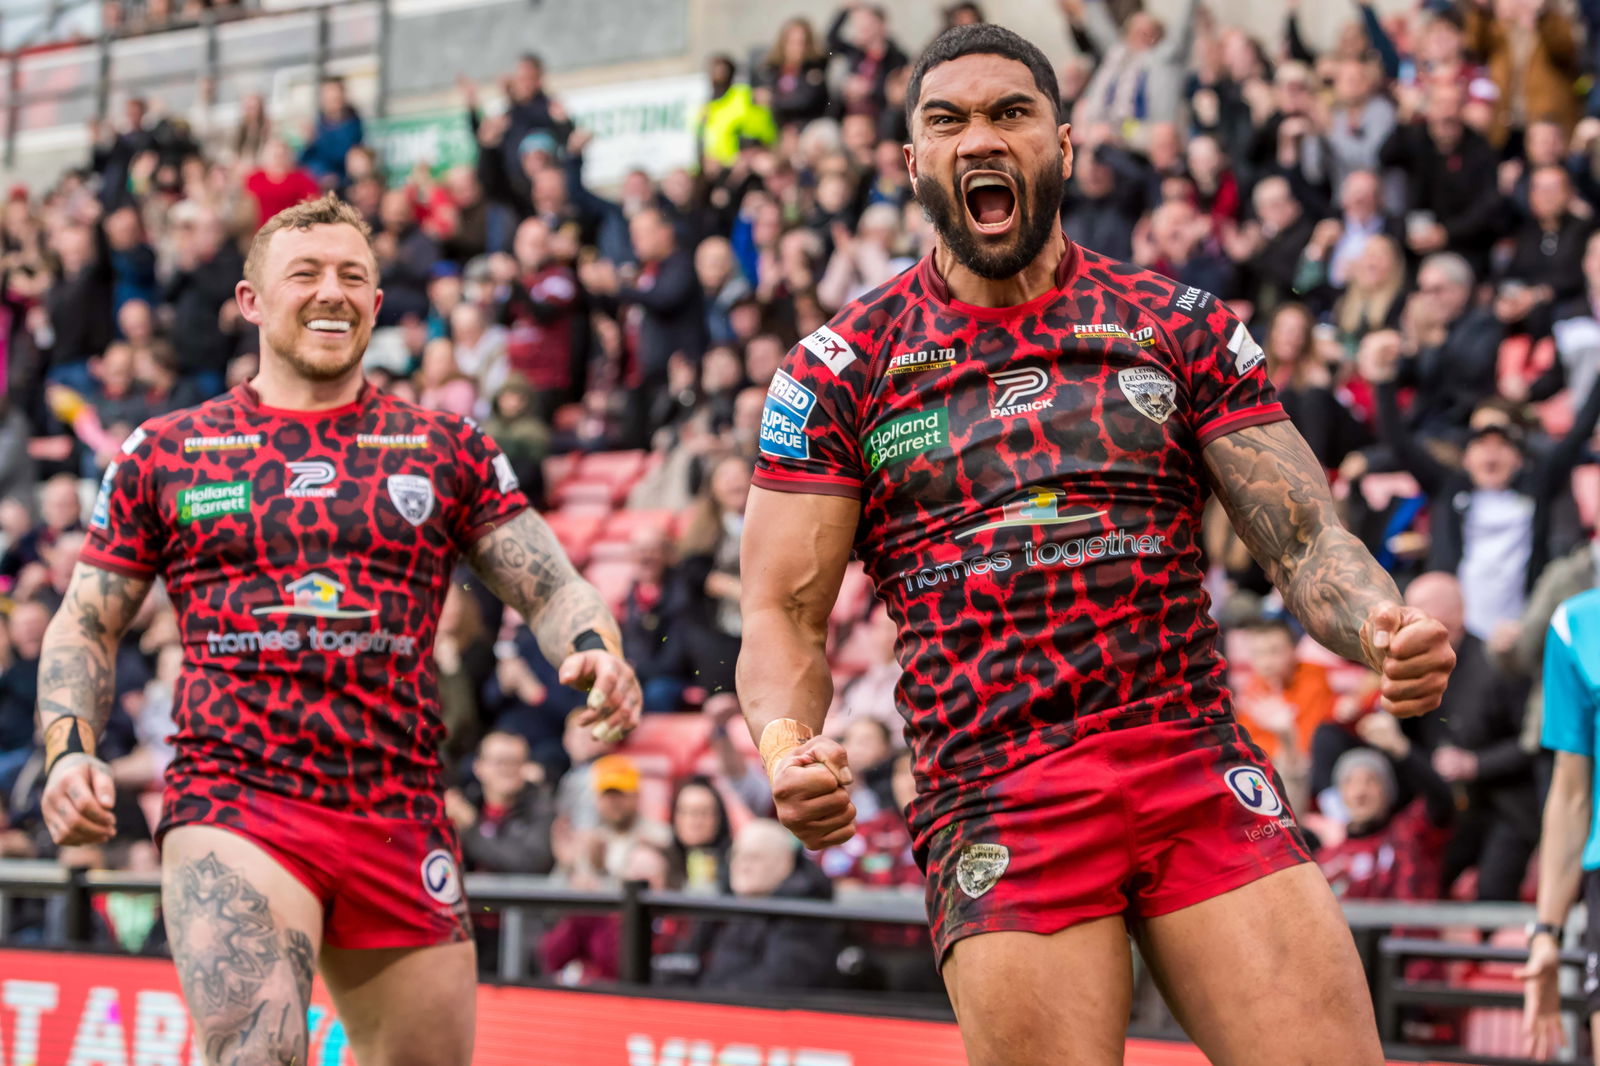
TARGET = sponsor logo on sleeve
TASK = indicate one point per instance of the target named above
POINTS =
(391, 440)
(927, 359)
(412, 496)
(1018, 389)
(784, 418)
(101, 517)
(135, 439)
(1247, 354)
(1151, 392)
(311, 480)
(1192, 299)
(507, 476)
(1145, 338)
(834, 351)
(203, 503)
(907, 437)
(232, 442)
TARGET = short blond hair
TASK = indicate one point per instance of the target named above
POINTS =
(327, 210)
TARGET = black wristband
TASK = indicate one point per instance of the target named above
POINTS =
(589, 640)
(74, 743)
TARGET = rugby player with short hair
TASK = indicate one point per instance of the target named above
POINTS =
(306, 527)
(1017, 437)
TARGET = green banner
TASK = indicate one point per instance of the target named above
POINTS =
(442, 139)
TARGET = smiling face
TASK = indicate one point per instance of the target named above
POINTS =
(314, 294)
(988, 162)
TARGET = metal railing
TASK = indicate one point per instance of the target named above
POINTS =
(520, 900)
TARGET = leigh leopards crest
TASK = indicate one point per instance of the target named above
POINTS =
(1151, 392)
(412, 497)
(981, 866)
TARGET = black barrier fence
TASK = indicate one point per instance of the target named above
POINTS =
(520, 900)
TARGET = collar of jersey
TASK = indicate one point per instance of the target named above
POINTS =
(935, 285)
(252, 400)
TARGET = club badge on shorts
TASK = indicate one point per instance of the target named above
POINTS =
(981, 866)
(440, 878)
(412, 497)
(1253, 791)
(1151, 392)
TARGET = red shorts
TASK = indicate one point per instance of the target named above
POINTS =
(382, 882)
(1139, 821)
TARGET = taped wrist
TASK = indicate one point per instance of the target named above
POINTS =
(589, 640)
(66, 735)
(779, 738)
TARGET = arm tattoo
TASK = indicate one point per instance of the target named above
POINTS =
(524, 564)
(77, 664)
(247, 983)
(1277, 495)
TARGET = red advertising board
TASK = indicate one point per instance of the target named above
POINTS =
(85, 1010)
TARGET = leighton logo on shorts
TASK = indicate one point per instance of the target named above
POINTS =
(981, 866)
(440, 878)
(234, 442)
(205, 502)
(1252, 789)
(1017, 389)
(834, 351)
(912, 435)
(784, 418)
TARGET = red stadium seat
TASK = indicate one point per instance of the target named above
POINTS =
(617, 471)
(607, 550)
(612, 579)
(680, 738)
(623, 525)
(577, 490)
(577, 533)
(557, 468)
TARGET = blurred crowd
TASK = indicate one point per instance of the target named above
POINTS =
(1405, 219)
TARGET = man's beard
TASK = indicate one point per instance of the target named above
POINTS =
(1037, 218)
(320, 370)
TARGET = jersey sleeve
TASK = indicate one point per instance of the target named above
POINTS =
(808, 439)
(490, 494)
(1227, 374)
(127, 533)
(1569, 705)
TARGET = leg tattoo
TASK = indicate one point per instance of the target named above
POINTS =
(248, 983)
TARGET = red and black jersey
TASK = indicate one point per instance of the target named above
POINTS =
(1031, 487)
(307, 555)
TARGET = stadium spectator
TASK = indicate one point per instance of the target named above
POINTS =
(20, 641)
(1281, 700)
(1383, 851)
(504, 816)
(406, 257)
(794, 75)
(768, 954)
(61, 510)
(1492, 515)
(871, 57)
(1452, 196)
(582, 949)
(709, 551)
(1476, 744)
(338, 129)
(208, 267)
(722, 284)
(732, 118)
(79, 302)
(277, 183)
(1136, 82)
(598, 855)
(1548, 248)
(1450, 346)
(545, 317)
(651, 619)
(701, 838)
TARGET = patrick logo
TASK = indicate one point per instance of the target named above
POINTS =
(314, 595)
(1035, 506)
